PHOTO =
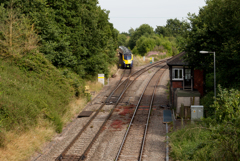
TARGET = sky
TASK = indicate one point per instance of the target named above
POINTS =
(126, 14)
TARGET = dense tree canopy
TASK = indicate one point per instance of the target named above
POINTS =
(144, 29)
(174, 27)
(74, 33)
(216, 28)
(122, 39)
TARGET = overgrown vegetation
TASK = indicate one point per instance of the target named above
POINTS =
(48, 50)
(75, 34)
(217, 136)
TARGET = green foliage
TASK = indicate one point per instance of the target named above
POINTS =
(144, 45)
(72, 33)
(207, 101)
(135, 50)
(226, 138)
(215, 138)
(191, 143)
(131, 31)
(216, 29)
(33, 88)
(206, 141)
(75, 36)
(227, 104)
(24, 98)
(162, 30)
(144, 29)
(122, 40)
(174, 27)
(154, 43)
(17, 35)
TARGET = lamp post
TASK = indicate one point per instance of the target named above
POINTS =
(206, 52)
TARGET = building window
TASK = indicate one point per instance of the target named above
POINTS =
(177, 74)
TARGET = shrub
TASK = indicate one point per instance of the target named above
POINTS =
(227, 104)
(190, 143)
(32, 89)
(214, 138)
(145, 44)
(207, 101)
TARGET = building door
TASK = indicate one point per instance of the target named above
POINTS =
(187, 78)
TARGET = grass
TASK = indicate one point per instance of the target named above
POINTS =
(113, 69)
(20, 146)
(94, 86)
(27, 96)
(159, 57)
(36, 101)
(138, 60)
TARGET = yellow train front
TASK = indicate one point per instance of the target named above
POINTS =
(125, 58)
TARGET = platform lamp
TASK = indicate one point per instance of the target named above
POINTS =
(208, 52)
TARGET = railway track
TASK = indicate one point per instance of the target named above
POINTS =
(63, 155)
(82, 143)
(132, 146)
(123, 83)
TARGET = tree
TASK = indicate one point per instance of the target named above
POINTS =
(216, 28)
(162, 30)
(174, 27)
(144, 29)
(131, 31)
(17, 34)
(145, 44)
(122, 40)
(72, 33)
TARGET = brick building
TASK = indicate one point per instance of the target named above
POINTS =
(185, 81)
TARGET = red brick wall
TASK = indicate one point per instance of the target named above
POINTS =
(177, 84)
(198, 81)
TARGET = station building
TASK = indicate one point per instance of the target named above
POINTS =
(186, 83)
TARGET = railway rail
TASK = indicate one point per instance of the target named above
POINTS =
(63, 156)
(113, 98)
(132, 146)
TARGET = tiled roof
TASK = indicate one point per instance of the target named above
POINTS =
(177, 60)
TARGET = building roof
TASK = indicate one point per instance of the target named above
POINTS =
(177, 60)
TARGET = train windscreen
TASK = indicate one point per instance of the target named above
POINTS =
(127, 57)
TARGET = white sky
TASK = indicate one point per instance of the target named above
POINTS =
(125, 14)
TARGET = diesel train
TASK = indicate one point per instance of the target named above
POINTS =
(125, 57)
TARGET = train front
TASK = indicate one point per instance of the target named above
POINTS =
(127, 60)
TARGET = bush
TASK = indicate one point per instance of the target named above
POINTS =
(227, 104)
(214, 138)
(32, 88)
(145, 44)
(207, 141)
(190, 143)
(207, 102)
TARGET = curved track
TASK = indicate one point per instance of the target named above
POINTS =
(82, 143)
